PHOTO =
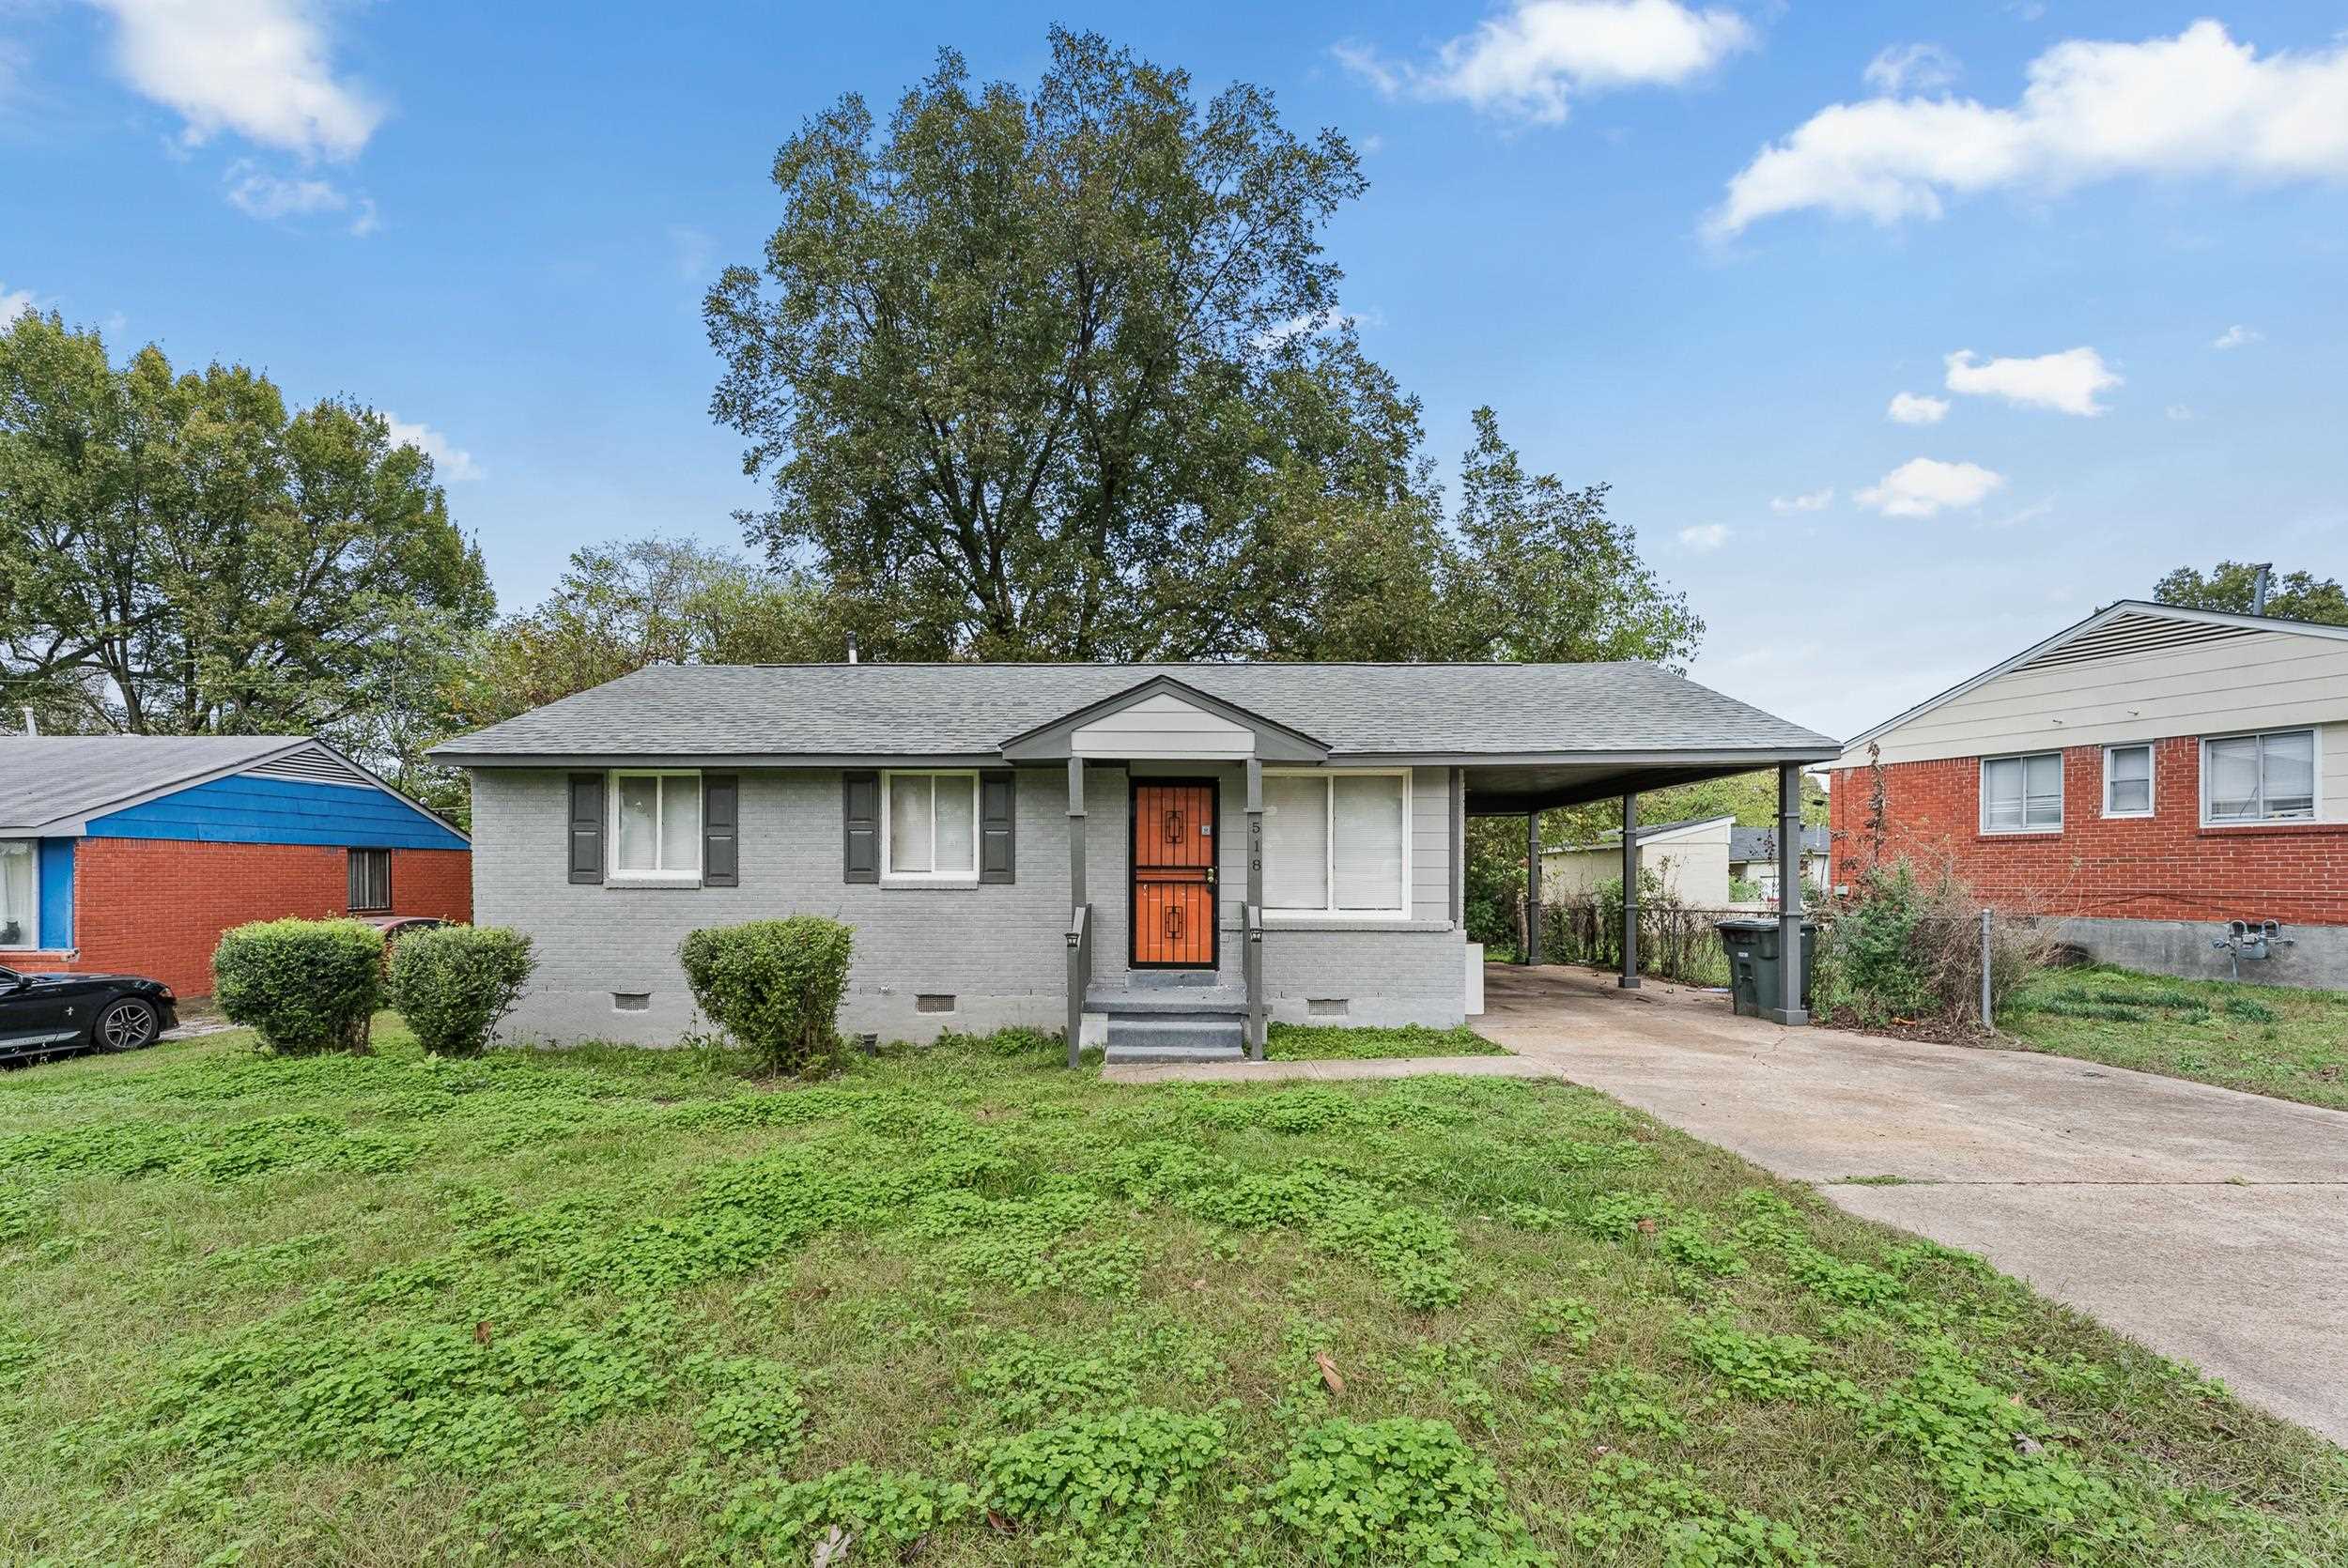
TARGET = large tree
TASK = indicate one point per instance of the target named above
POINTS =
(179, 553)
(1027, 371)
(2231, 585)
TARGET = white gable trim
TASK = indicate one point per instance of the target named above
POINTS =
(1163, 725)
(2080, 629)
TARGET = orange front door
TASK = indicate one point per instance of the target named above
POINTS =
(1173, 859)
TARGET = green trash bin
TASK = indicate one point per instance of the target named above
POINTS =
(1752, 945)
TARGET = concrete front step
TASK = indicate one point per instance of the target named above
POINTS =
(1212, 1031)
(1134, 1053)
(1195, 1003)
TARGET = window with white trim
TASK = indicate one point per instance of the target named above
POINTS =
(656, 823)
(1337, 842)
(2259, 778)
(19, 893)
(2128, 781)
(930, 826)
(2022, 794)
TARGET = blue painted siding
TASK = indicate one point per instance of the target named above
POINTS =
(56, 893)
(245, 810)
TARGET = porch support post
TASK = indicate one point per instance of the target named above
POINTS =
(1532, 887)
(1079, 916)
(1251, 924)
(1789, 1009)
(1629, 977)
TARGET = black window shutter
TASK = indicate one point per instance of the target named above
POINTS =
(721, 830)
(586, 846)
(860, 802)
(998, 827)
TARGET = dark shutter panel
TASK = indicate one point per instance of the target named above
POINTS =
(999, 828)
(721, 830)
(586, 849)
(859, 801)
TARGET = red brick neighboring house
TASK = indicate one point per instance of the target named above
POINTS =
(2149, 775)
(131, 853)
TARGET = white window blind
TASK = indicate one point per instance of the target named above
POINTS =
(659, 823)
(1295, 842)
(1336, 843)
(2128, 781)
(2021, 794)
(2253, 779)
(933, 825)
(20, 887)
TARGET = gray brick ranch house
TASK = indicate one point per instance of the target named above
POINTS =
(1162, 856)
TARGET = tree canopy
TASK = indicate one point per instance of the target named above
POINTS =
(2231, 585)
(180, 553)
(623, 605)
(1064, 375)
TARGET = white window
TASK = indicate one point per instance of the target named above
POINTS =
(2022, 794)
(2128, 781)
(930, 826)
(657, 826)
(2259, 778)
(1338, 843)
(19, 893)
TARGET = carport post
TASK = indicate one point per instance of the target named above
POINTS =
(1789, 1009)
(1532, 887)
(1630, 980)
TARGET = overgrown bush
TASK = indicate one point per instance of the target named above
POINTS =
(774, 985)
(454, 983)
(302, 985)
(1907, 948)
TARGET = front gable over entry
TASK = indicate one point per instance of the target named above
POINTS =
(1163, 717)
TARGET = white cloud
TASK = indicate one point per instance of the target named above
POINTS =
(1923, 66)
(257, 194)
(2197, 104)
(2178, 412)
(2235, 336)
(1532, 60)
(2067, 382)
(367, 221)
(449, 463)
(1911, 409)
(1333, 320)
(1923, 486)
(2015, 519)
(1813, 500)
(262, 69)
(13, 303)
(1705, 537)
(694, 249)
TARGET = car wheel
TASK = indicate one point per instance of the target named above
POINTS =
(125, 1025)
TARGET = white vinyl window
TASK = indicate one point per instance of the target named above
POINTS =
(657, 825)
(1338, 843)
(930, 826)
(2259, 778)
(19, 893)
(2022, 794)
(2128, 781)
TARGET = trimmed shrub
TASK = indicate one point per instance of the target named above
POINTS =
(452, 983)
(774, 985)
(302, 985)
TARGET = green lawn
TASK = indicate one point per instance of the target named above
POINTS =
(1316, 1042)
(2268, 1039)
(628, 1307)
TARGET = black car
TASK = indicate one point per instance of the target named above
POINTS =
(43, 1015)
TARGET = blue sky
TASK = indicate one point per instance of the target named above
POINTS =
(1696, 251)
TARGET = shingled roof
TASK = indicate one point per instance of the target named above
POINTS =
(51, 778)
(789, 712)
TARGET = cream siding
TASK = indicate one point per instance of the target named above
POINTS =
(1693, 867)
(1163, 725)
(2265, 681)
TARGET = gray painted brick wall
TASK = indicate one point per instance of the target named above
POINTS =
(998, 951)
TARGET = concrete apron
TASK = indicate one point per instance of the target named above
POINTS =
(2209, 1226)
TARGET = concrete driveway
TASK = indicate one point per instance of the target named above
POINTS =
(2210, 1225)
